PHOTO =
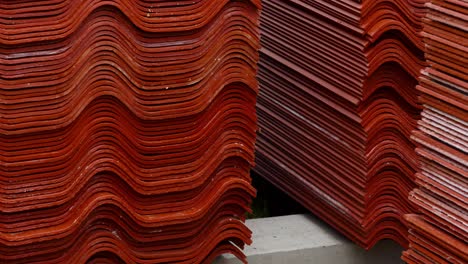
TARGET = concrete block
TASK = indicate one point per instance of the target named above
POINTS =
(305, 239)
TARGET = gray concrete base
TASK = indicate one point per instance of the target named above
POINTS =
(304, 239)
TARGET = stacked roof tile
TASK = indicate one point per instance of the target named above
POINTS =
(127, 129)
(336, 109)
(439, 232)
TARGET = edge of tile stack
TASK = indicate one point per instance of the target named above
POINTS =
(127, 129)
(336, 109)
(439, 230)
(390, 110)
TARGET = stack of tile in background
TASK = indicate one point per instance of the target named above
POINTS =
(127, 129)
(439, 232)
(336, 109)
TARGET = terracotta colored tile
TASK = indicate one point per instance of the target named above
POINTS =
(337, 107)
(127, 129)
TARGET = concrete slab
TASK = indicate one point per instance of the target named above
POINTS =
(305, 239)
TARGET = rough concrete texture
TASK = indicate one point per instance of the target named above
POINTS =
(304, 239)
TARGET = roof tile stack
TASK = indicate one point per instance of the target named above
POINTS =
(439, 232)
(336, 109)
(127, 129)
